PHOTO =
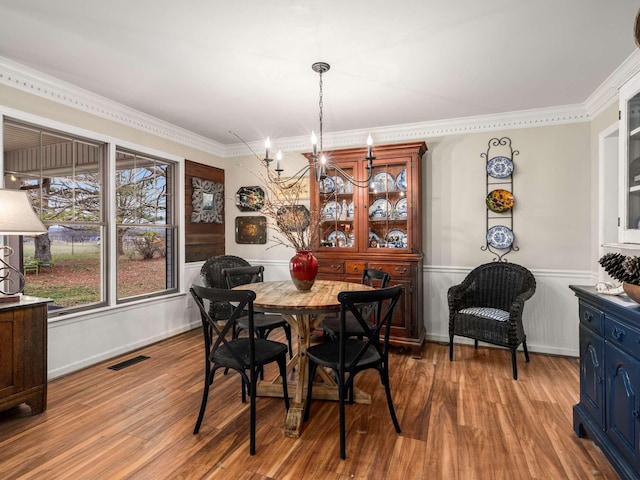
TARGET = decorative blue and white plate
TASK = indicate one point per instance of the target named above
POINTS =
(401, 207)
(331, 210)
(328, 185)
(500, 167)
(339, 183)
(338, 238)
(380, 209)
(500, 237)
(397, 238)
(401, 180)
(383, 182)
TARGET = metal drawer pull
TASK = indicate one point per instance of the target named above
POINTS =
(335, 267)
(401, 270)
(588, 316)
(617, 333)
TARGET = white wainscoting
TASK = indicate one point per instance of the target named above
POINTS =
(75, 342)
(550, 316)
(84, 339)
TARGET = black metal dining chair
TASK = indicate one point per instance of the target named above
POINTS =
(246, 354)
(331, 323)
(349, 356)
(264, 323)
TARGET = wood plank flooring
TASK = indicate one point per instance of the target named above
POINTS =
(464, 420)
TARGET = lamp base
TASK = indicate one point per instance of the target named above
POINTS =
(10, 298)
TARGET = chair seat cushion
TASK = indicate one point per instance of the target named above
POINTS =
(327, 354)
(486, 312)
(331, 325)
(266, 352)
(262, 320)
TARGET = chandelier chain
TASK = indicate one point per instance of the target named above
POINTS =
(320, 104)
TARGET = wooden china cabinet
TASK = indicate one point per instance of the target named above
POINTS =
(378, 225)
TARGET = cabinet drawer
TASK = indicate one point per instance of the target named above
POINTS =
(591, 317)
(394, 269)
(355, 268)
(622, 335)
(331, 266)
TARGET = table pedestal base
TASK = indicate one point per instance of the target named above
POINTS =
(326, 390)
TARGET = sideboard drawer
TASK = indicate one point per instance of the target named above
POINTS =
(355, 268)
(394, 269)
(622, 335)
(591, 317)
(333, 266)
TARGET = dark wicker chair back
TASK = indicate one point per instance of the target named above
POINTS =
(246, 355)
(212, 276)
(487, 306)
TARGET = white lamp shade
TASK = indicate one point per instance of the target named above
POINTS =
(17, 216)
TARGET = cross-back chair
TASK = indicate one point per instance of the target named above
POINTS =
(264, 323)
(348, 356)
(331, 324)
(246, 355)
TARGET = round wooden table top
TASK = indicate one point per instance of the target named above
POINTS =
(283, 297)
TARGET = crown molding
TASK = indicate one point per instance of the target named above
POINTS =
(607, 92)
(37, 83)
(29, 80)
(425, 130)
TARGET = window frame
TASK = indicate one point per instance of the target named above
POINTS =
(109, 279)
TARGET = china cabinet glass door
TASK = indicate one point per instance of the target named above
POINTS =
(388, 209)
(629, 220)
(338, 226)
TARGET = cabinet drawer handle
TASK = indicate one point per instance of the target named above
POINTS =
(355, 269)
(335, 267)
(598, 379)
(404, 270)
(588, 316)
(617, 333)
(635, 414)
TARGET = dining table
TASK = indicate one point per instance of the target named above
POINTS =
(303, 311)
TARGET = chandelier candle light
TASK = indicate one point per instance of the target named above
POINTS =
(319, 164)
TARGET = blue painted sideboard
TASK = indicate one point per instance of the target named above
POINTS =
(609, 408)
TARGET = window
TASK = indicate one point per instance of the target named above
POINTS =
(67, 179)
(146, 229)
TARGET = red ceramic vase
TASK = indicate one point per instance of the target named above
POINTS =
(303, 268)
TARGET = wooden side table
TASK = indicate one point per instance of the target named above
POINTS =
(23, 353)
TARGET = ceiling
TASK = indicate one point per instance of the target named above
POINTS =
(245, 66)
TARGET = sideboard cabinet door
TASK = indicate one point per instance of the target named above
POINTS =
(23, 354)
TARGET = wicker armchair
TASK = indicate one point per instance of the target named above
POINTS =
(211, 274)
(487, 306)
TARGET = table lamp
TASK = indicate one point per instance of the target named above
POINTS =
(16, 218)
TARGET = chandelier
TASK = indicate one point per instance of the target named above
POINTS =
(319, 163)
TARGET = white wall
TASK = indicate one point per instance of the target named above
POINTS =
(553, 222)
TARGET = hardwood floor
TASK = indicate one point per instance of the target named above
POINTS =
(465, 419)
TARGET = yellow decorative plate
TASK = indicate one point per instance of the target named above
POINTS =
(500, 201)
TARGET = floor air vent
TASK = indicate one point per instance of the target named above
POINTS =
(127, 363)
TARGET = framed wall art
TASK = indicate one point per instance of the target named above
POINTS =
(250, 199)
(207, 201)
(251, 230)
